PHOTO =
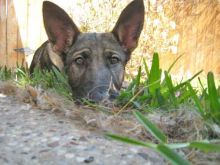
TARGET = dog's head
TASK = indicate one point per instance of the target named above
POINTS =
(94, 62)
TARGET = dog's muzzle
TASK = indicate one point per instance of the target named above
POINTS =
(102, 93)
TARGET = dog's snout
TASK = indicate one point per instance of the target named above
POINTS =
(102, 93)
(113, 95)
(98, 93)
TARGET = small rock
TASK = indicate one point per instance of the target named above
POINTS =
(65, 133)
(55, 138)
(72, 143)
(56, 110)
(134, 150)
(123, 155)
(89, 159)
(85, 160)
(13, 144)
(10, 124)
(53, 144)
(61, 122)
(61, 152)
(69, 155)
(130, 156)
(80, 159)
(90, 148)
(24, 153)
(2, 139)
(26, 149)
(5, 160)
(52, 130)
(81, 147)
(25, 134)
(74, 139)
(83, 138)
(42, 115)
(45, 150)
(33, 157)
(43, 140)
(144, 156)
(2, 95)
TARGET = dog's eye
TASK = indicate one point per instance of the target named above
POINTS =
(114, 60)
(79, 60)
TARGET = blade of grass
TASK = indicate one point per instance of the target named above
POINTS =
(174, 62)
(133, 98)
(200, 82)
(156, 132)
(213, 94)
(171, 155)
(196, 100)
(165, 151)
(146, 68)
(60, 76)
(161, 100)
(177, 145)
(170, 87)
(155, 74)
(131, 141)
(137, 81)
(206, 147)
(189, 80)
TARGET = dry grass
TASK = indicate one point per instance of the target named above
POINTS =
(181, 125)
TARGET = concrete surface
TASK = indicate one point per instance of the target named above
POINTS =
(34, 136)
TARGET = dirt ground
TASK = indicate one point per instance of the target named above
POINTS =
(39, 127)
(32, 135)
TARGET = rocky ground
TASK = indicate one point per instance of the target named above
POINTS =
(34, 136)
(42, 127)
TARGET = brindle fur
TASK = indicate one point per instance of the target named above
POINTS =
(94, 62)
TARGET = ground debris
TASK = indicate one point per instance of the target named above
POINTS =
(57, 127)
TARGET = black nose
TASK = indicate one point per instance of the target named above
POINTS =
(96, 96)
(100, 93)
(113, 95)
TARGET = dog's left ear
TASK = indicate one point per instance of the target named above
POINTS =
(129, 25)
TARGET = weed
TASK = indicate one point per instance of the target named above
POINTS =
(158, 90)
(53, 79)
(166, 149)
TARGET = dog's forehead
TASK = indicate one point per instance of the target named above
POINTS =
(96, 40)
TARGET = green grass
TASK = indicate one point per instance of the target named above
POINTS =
(160, 91)
(163, 147)
(157, 91)
(53, 80)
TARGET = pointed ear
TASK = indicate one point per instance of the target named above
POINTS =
(129, 25)
(61, 30)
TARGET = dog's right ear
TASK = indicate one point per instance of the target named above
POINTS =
(61, 30)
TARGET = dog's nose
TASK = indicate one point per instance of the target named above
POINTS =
(113, 95)
(100, 93)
